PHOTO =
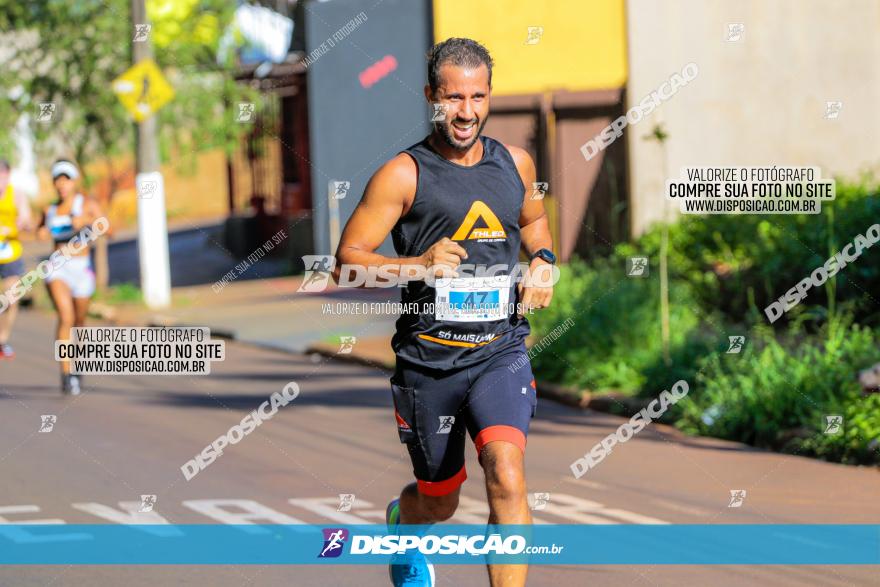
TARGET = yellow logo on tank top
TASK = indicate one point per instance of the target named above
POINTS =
(493, 231)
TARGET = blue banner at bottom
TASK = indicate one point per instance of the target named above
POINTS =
(209, 544)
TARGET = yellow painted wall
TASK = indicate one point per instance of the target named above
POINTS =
(583, 46)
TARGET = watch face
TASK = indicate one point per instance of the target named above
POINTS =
(546, 255)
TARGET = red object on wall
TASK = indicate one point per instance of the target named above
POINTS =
(377, 71)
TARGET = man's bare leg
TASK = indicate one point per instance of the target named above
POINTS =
(418, 508)
(63, 302)
(7, 318)
(508, 502)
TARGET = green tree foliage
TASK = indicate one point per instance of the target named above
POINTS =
(68, 53)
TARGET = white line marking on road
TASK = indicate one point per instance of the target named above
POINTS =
(249, 512)
(326, 507)
(694, 511)
(129, 513)
(585, 483)
(585, 511)
(25, 509)
(253, 512)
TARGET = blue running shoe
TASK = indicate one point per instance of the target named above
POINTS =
(410, 570)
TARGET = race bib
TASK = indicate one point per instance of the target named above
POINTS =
(60, 225)
(472, 299)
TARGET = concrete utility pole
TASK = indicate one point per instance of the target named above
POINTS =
(152, 226)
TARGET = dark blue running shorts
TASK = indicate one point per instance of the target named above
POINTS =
(493, 400)
(13, 269)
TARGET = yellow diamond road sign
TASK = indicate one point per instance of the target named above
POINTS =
(143, 89)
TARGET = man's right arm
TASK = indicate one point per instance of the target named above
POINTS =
(388, 196)
(389, 192)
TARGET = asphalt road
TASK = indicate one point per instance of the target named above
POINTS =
(128, 436)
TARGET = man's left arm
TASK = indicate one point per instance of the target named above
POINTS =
(535, 235)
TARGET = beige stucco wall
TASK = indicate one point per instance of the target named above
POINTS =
(758, 101)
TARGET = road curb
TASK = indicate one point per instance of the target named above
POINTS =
(325, 350)
(612, 402)
(109, 314)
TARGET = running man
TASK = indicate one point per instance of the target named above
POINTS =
(72, 281)
(454, 198)
(15, 217)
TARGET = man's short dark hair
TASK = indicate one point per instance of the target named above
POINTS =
(4, 165)
(459, 52)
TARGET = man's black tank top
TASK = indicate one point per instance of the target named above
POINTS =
(478, 207)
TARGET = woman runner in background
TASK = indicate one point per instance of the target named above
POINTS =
(72, 281)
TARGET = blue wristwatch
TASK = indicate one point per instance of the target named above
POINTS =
(546, 255)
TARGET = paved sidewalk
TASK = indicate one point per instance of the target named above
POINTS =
(262, 309)
(272, 313)
(257, 307)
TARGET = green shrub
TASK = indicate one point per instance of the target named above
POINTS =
(738, 264)
(615, 341)
(724, 270)
(123, 293)
(777, 396)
